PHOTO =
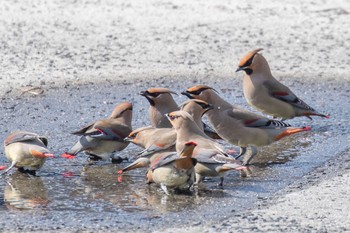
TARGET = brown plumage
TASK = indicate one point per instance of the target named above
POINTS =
(161, 102)
(211, 159)
(239, 126)
(26, 151)
(174, 170)
(103, 137)
(267, 94)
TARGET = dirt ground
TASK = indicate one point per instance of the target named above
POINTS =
(63, 46)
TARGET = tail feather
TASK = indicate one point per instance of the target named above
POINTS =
(308, 114)
(290, 131)
(231, 166)
(139, 163)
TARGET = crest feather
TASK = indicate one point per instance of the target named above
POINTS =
(248, 56)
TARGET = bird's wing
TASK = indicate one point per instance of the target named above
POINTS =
(20, 137)
(253, 120)
(283, 93)
(106, 131)
(212, 156)
(83, 130)
(154, 148)
(164, 160)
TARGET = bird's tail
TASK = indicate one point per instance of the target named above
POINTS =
(232, 166)
(309, 114)
(141, 162)
(290, 131)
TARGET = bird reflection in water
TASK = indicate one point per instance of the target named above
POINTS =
(25, 192)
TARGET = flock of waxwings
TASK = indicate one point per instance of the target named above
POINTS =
(180, 150)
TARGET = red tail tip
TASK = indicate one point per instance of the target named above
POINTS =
(120, 172)
(2, 168)
(307, 128)
(67, 156)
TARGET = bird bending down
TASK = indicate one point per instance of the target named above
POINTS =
(211, 159)
(174, 170)
(265, 93)
(155, 141)
(239, 126)
(26, 151)
(100, 139)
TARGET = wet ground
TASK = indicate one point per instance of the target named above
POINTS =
(76, 194)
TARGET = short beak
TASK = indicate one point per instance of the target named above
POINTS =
(240, 69)
(167, 116)
(143, 93)
(127, 139)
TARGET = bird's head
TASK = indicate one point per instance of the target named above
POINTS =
(158, 95)
(122, 110)
(193, 106)
(177, 118)
(201, 92)
(253, 61)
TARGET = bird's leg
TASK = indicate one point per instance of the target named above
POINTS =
(93, 157)
(221, 184)
(116, 159)
(248, 157)
(198, 179)
(242, 151)
(165, 189)
(9, 168)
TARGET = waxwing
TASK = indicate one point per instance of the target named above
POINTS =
(174, 170)
(161, 102)
(100, 139)
(267, 94)
(26, 151)
(211, 159)
(239, 126)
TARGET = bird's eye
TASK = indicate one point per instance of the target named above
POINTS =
(172, 117)
(249, 62)
(198, 92)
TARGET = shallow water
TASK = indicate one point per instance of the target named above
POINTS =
(65, 190)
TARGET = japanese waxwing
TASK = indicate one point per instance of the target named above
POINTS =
(174, 170)
(26, 151)
(153, 140)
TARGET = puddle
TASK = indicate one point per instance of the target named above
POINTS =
(67, 189)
